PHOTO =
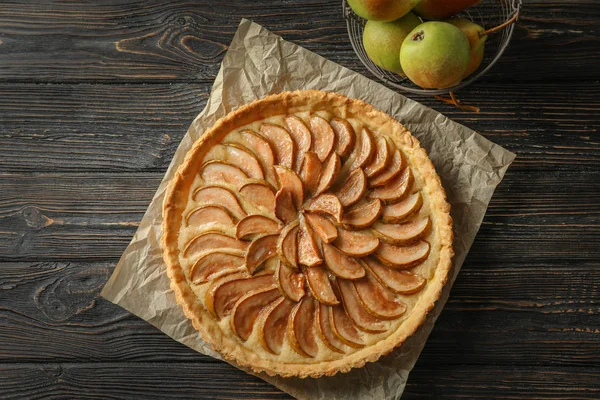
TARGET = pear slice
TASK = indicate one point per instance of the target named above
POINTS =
(393, 213)
(394, 167)
(323, 136)
(343, 327)
(342, 265)
(394, 190)
(353, 188)
(383, 154)
(300, 135)
(215, 263)
(345, 136)
(301, 328)
(216, 195)
(287, 244)
(290, 283)
(256, 224)
(363, 215)
(247, 162)
(285, 210)
(210, 214)
(324, 229)
(216, 172)
(248, 307)
(329, 174)
(319, 285)
(210, 240)
(223, 293)
(328, 204)
(402, 257)
(356, 311)
(399, 281)
(377, 300)
(259, 193)
(290, 180)
(273, 323)
(401, 233)
(355, 243)
(281, 142)
(325, 331)
(363, 153)
(308, 250)
(310, 171)
(260, 250)
(259, 146)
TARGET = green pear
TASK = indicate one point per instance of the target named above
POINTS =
(382, 40)
(476, 42)
(382, 10)
(441, 9)
(435, 55)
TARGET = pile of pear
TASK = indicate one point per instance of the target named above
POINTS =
(418, 39)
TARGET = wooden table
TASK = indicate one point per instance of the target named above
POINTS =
(94, 99)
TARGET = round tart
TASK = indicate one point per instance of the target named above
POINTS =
(306, 234)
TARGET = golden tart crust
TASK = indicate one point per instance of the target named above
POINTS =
(306, 234)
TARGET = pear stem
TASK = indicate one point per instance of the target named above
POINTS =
(455, 102)
(497, 28)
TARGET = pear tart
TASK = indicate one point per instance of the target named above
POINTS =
(306, 234)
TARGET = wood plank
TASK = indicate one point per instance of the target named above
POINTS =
(182, 41)
(137, 128)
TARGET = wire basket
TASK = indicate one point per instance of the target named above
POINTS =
(488, 14)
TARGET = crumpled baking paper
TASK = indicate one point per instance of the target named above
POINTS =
(259, 63)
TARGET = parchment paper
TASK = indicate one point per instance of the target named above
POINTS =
(259, 63)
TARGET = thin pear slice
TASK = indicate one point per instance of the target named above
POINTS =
(290, 180)
(260, 250)
(363, 153)
(215, 172)
(329, 174)
(259, 193)
(377, 300)
(287, 244)
(289, 282)
(259, 146)
(216, 263)
(285, 210)
(363, 215)
(356, 243)
(242, 157)
(273, 323)
(308, 250)
(324, 229)
(399, 281)
(325, 331)
(256, 225)
(323, 136)
(220, 196)
(394, 167)
(311, 171)
(353, 188)
(301, 328)
(343, 327)
(402, 257)
(345, 136)
(393, 213)
(356, 311)
(300, 135)
(328, 204)
(383, 154)
(281, 142)
(394, 190)
(224, 292)
(401, 233)
(342, 265)
(212, 240)
(210, 214)
(248, 307)
(319, 285)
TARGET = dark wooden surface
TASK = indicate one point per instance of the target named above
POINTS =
(94, 99)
